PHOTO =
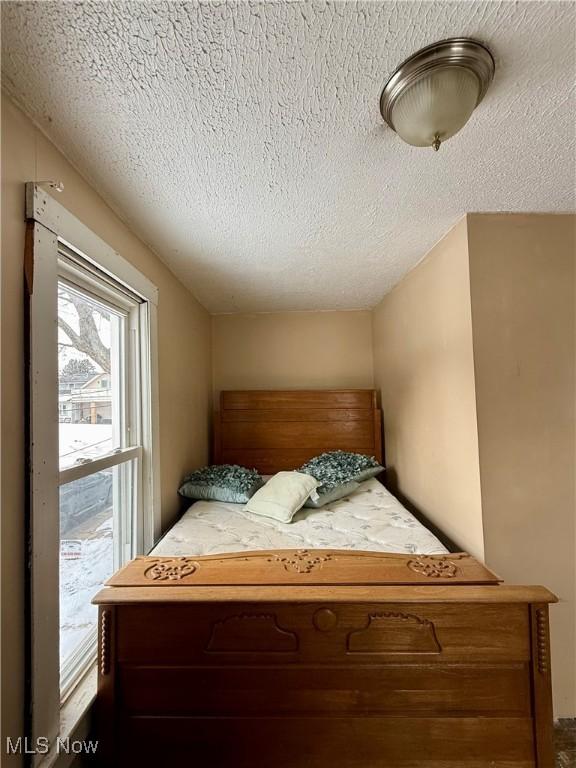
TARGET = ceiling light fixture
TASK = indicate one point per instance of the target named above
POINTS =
(431, 95)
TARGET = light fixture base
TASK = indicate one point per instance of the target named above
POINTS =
(455, 52)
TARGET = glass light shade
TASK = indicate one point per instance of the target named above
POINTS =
(437, 105)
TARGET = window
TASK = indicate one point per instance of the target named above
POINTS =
(100, 449)
(93, 455)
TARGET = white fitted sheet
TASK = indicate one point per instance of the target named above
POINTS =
(371, 519)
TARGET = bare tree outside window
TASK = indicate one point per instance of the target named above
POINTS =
(86, 388)
(86, 339)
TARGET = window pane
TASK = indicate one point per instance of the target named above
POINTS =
(90, 377)
(95, 534)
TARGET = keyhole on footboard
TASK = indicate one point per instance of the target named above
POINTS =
(325, 620)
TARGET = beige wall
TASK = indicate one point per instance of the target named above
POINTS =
(522, 270)
(184, 357)
(292, 350)
(474, 354)
(424, 368)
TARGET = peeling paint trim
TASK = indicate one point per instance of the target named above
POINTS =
(45, 209)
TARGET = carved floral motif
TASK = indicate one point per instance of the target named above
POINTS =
(433, 566)
(171, 569)
(301, 561)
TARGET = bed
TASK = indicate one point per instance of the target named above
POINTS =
(370, 518)
(349, 637)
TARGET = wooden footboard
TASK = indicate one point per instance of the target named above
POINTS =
(323, 658)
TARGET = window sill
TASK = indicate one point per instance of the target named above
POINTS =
(78, 701)
(75, 716)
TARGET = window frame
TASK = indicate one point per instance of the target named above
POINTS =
(128, 453)
(50, 229)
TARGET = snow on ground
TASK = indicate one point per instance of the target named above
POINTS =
(87, 554)
(83, 441)
(80, 579)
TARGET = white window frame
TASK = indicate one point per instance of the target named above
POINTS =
(128, 535)
(50, 226)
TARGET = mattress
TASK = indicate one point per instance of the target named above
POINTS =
(371, 519)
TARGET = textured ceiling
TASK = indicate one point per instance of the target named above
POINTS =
(243, 141)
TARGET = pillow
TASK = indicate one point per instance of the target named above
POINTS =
(221, 482)
(336, 469)
(328, 497)
(282, 496)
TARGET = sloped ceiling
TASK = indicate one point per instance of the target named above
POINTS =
(244, 143)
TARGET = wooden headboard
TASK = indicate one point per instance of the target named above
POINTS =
(273, 430)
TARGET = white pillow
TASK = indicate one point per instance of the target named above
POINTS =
(282, 496)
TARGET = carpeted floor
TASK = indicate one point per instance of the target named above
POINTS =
(565, 739)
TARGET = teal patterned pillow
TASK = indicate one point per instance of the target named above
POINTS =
(337, 469)
(329, 496)
(222, 482)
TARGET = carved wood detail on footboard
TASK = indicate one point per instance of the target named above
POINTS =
(340, 662)
(251, 633)
(394, 633)
(303, 566)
